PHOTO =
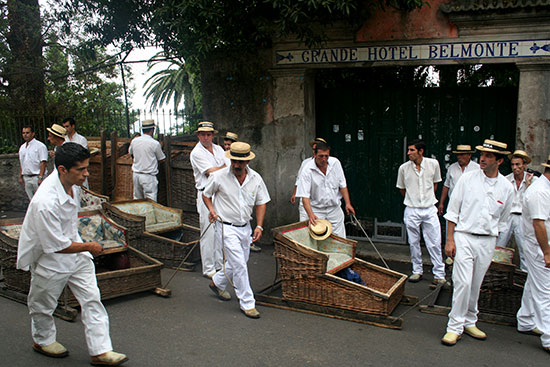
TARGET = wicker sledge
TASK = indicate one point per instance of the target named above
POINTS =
(157, 230)
(307, 270)
(142, 275)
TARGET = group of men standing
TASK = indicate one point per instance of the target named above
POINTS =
(485, 209)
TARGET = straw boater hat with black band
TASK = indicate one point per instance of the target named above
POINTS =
(206, 126)
(240, 151)
(321, 230)
(231, 136)
(463, 149)
(547, 164)
(493, 146)
(147, 124)
(521, 154)
(317, 140)
(58, 131)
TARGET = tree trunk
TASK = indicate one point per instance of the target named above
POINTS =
(25, 69)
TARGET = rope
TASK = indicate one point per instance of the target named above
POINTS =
(186, 256)
(439, 286)
(366, 235)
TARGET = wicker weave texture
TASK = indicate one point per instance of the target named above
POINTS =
(304, 279)
(135, 225)
(124, 189)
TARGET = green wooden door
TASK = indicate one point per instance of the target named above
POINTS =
(367, 128)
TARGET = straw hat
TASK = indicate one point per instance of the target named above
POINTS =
(240, 151)
(547, 164)
(521, 154)
(493, 146)
(147, 124)
(321, 230)
(463, 149)
(231, 136)
(317, 140)
(58, 131)
(206, 126)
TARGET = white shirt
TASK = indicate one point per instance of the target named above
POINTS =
(77, 138)
(419, 185)
(30, 156)
(50, 225)
(480, 205)
(302, 165)
(232, 201)
(518, 193)
(146, 152)
(202, 160)
(455, 172)
(536, 205)
(322, 190)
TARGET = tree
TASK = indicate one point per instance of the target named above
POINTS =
(24, 70)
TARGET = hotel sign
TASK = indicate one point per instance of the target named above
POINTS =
(426, 52)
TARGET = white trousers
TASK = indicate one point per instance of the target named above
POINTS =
(472, 259)
(236, 243)
(535, 303)
(145, 186)
(514, 228)
(31, 185)
(334, 215)
(211, 249)
(425, 218)
(46, 287)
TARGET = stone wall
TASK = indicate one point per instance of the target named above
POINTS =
(270, 111)
(12, 194)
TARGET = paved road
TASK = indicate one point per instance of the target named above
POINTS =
(194, 328)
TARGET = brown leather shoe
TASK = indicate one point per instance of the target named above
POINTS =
(223, 295)
(109, 359)
(252, 313)
(534, 332)
(54, 350)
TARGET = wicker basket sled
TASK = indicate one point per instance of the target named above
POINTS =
(158, 231)
(307, 270)
(142, 275)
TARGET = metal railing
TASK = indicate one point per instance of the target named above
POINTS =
(91, 124)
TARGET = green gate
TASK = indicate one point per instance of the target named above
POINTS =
(368, 126)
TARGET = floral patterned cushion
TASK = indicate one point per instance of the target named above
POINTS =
(89, 201)
(12, 230)
(503, 255)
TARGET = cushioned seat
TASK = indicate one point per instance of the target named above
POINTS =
(158, 218)
(94, 226)
(339, 253)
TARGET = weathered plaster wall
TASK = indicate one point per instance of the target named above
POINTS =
(269, 110)
(392, 24)
(533, 123)
(12, 194)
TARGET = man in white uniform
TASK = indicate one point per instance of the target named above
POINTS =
(478, 210)
(534, 315)
(56, 137)
(236, 190)
(207, 158)
(51, 248)
(417, 180)
(72, 136)
(463, 164)
(301, 211)
(521, 180)
(322, 185)
(147, 154)
(33, 158)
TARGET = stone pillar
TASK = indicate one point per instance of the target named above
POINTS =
(292, 129)
(533, 121)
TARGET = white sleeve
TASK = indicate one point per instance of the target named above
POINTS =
(159, 153)
(304, 189)
(437, 173)
(455, 202)
(43, 153)
(400, 184)
(48, 224)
